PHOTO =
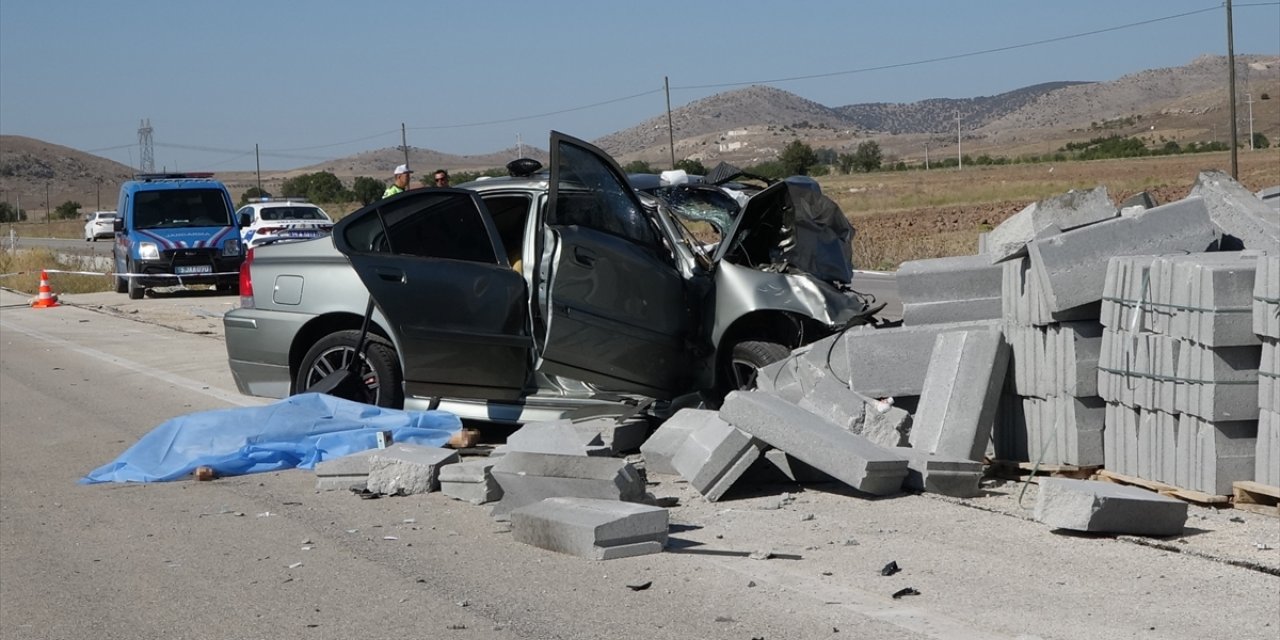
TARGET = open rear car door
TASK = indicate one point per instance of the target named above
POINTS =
(432, 261)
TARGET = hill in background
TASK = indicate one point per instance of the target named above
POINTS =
(752, 125)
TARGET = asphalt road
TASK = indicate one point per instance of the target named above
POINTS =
(265, 556)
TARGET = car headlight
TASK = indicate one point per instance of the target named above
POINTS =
(148, 251)
(231, 247)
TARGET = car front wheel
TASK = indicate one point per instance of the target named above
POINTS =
(379, 373)
(748, 357)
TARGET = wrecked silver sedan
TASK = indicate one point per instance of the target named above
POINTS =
(550, 291)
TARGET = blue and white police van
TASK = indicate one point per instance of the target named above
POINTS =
(176, 229)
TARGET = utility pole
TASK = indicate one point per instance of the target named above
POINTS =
(1231, 78)
(519, 146)
(926, 156)
(959, 156)
(147, 162)
(671, 134)
(48, 211)
(257, 161)
(1249, 101)
(404, 143)
(99, 190)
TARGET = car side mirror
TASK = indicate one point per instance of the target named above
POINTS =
(245, 220)
(117, 225)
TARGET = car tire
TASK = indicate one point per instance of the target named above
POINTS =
(122, 285)
(747, 358)
(380, 373)
(136, 291)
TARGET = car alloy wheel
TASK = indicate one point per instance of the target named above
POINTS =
(379, 371)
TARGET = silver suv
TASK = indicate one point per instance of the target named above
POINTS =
(523, 298)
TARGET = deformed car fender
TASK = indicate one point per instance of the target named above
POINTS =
(742, 291)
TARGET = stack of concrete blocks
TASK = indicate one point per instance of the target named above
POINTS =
(1179, 367)
(470, 481)
(591, 528)
(956, 289)
(1050, 412)
(1266, 324)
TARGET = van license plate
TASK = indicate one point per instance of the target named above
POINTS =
(194, 268)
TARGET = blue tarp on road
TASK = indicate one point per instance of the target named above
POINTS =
(298, 431)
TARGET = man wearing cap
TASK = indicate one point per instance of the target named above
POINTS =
(401, 181)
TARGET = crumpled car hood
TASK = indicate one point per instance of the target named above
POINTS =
(787, 226)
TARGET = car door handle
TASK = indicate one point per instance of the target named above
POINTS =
(390, 275)
(584, 257)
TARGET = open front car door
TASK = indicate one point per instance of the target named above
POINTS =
(612, 302)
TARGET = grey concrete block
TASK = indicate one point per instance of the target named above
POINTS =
(661, 447)
(961, 393)
(1065, 429)
(352, 464)
(527, 478)
(1269, 376)
(887, 426)
(918, 313)
(470, 481)
(344, 472)
(1073, 265)
(846, 456)
(557, 436)
(878, 363)
(1245, 220)
(1217, 384)
(1266, 296)
(1267, 452)
(590, 528)
(1143, 199)
(952, 278)
(1221, 453)
(938, 474)
(1103, 507)
(405, 469)
(1047, 217)
(713, 457)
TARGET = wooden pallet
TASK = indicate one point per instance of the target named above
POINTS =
(1187, 495)
(1011, 469)
(1256, 497)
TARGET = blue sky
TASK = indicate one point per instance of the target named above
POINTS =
(311, 80)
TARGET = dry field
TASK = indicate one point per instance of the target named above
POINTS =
(911, 215)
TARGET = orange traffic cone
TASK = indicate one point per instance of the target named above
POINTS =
(45, 299)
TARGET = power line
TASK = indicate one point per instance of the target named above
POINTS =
(958, 56)
(539, 115)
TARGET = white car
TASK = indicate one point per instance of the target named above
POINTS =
(99, 224)
(270, 220)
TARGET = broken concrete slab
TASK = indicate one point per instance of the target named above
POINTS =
(591, 528)
(1245, 221)
(713, 457)
(939, 474)
(406, 469)
(345, 472)
(662, 446)
(557, 436)
(961, 394)
(1041, 219)
(527, 478)
(1104, 507)
(877, 363)
(1073, 265)
(848, 457)
(470, 481)
(794, 469)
